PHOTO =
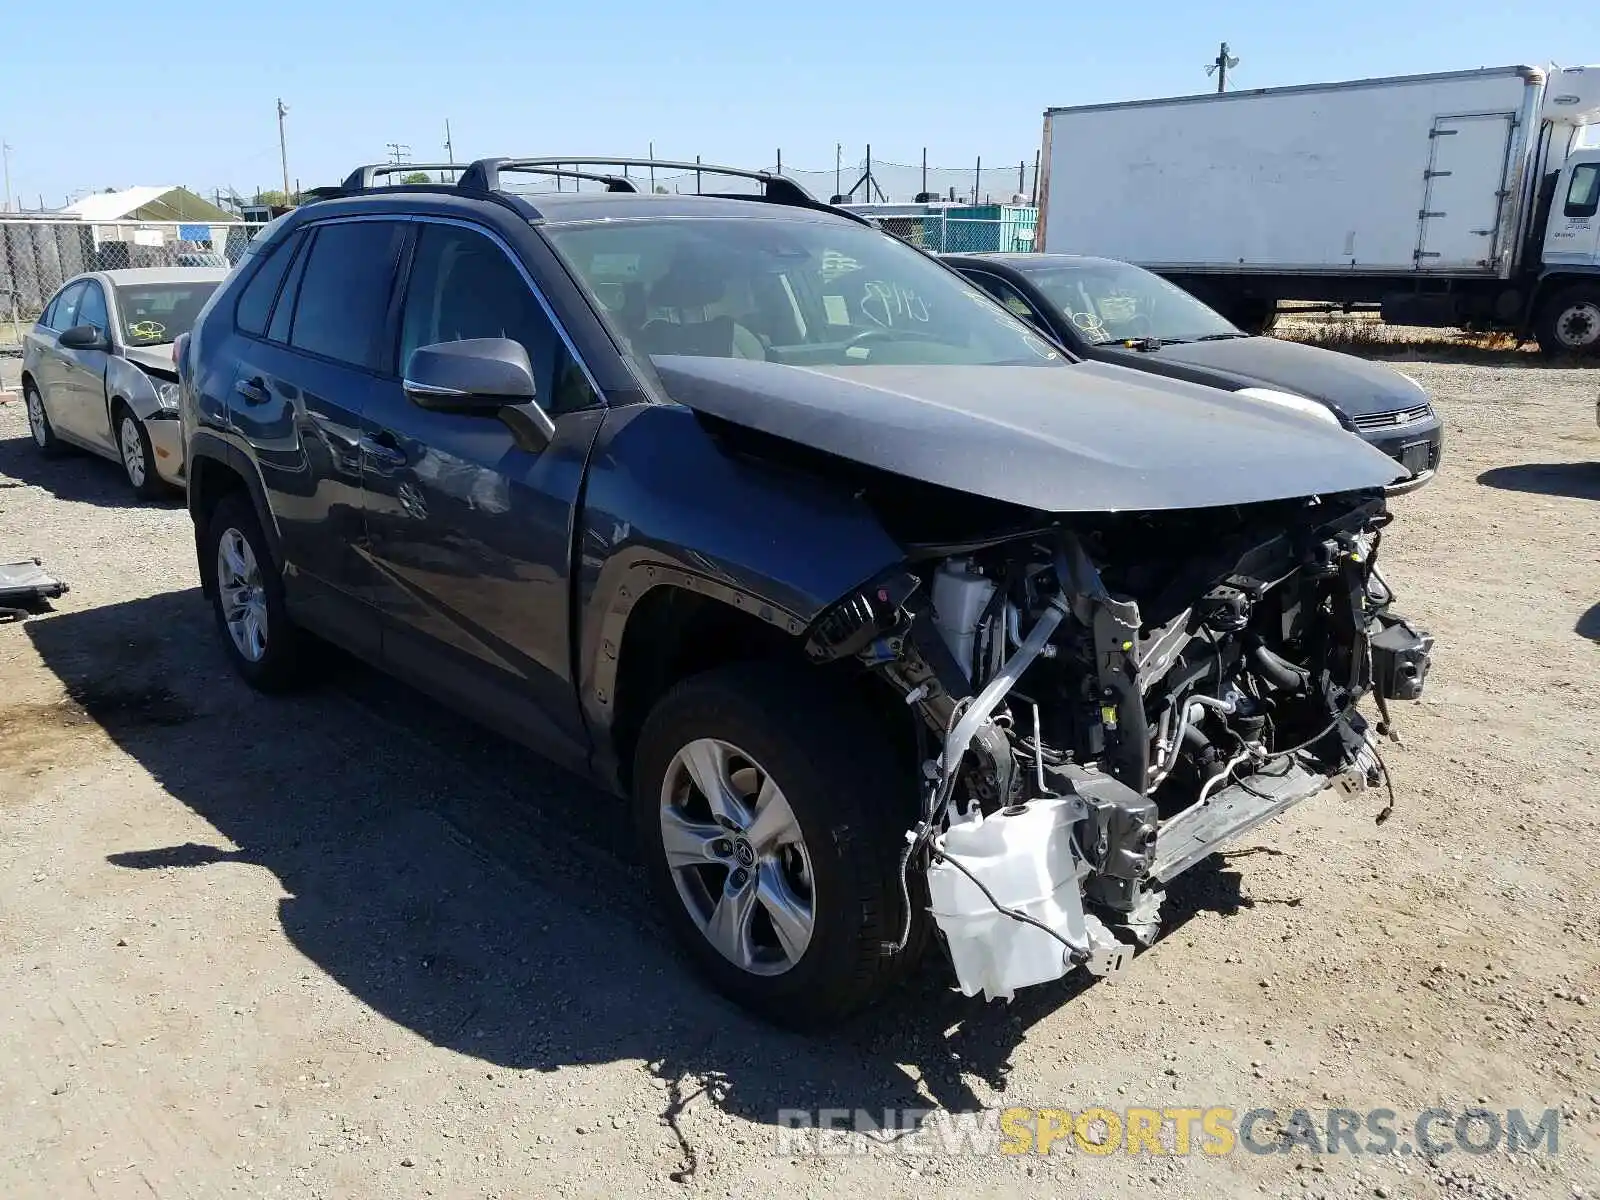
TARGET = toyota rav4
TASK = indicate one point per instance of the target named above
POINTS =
(895, 622)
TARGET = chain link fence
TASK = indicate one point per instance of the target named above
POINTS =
(38, 255)
(1009, 231)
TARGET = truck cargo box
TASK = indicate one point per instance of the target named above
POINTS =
(1422, 174)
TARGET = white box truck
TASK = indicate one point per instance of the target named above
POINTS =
(1467, 198)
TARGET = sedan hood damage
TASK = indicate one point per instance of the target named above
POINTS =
(1080, 438)
(158, 360)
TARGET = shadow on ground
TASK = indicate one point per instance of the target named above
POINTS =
(73, 475)
(1589, 624)
(480, 897)
(1580, 480)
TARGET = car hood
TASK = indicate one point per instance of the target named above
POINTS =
(1085, 437)
(154, 358)
(1352, 385)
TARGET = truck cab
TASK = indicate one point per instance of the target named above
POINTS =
(1572, 233)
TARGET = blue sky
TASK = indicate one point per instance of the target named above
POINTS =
(184, 92)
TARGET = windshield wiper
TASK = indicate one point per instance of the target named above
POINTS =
(1221, 337)
(1145, 345)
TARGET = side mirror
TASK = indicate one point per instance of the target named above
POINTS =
(84, 337)
(483, 376)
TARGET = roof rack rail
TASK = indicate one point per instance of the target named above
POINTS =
(484, 175)
(564, 168)
(366, 177)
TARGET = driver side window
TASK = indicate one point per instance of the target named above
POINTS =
(1013, 301)
(64, 312)
(463, 286)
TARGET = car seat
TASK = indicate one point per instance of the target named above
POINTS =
(690, 286)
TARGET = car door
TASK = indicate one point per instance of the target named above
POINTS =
(312, 323)
(81, 408)
(50, 367)
(469, 525)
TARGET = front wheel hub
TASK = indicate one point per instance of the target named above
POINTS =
(738, 857)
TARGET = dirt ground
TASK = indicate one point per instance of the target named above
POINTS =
(346, 945)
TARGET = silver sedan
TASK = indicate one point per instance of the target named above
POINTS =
(98, 371)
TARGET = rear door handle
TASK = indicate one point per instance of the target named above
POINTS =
(253, 391)
(383, 449)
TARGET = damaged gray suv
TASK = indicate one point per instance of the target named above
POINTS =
(896, 624)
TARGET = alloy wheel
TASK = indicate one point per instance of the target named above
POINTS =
(244, 599)
(132, 446)
(37, 423)
(738, 856)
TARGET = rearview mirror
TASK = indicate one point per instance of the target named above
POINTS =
(485, 376)
(84, 337)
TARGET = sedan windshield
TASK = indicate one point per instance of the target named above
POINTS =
(154, 314)
(1115, 302)
(803, 292)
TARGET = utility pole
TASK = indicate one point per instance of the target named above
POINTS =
(838, 167)
(5, 152)
(1220, 66)
(283, 149)
(449, 150)
(398, 152)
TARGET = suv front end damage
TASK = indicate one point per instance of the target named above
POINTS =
(1107, 699)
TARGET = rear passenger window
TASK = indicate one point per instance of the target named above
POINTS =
(344, 291)
(255, 301)
(283, 311)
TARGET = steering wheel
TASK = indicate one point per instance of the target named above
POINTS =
(890, 335)
(147, 330)
(1136, 326)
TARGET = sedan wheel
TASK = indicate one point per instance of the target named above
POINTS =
(133, 459)
(243, 598)
(44, 437)
(737, 856)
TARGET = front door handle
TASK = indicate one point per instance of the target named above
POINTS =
(383, 449)
(253, 391)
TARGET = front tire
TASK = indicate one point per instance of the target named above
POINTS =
(769, 813)
(44, 433)
(1569, 323)
(247, 598)
(138, 460)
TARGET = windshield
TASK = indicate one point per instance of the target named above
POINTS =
(1114, 302)
(154, 314)
(803, 292)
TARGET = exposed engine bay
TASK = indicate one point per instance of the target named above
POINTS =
(1107, 699)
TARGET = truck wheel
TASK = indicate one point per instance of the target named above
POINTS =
(770, 821)
(1569, 323)
(1254, 316)
(247, 598)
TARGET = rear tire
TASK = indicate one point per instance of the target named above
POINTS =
(818, 918)
(246, 588)
(44, 433)
(1569, 323)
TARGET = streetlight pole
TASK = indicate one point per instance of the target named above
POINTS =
(283, 150)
